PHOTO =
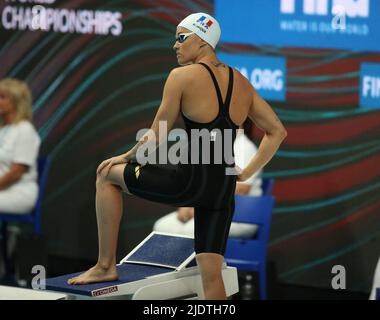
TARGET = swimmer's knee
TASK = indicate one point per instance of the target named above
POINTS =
(99, 179)
(115, 176)
(103, 181)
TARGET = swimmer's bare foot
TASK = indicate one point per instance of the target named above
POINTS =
(95, 274)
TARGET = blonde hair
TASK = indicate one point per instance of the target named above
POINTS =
(21, 96)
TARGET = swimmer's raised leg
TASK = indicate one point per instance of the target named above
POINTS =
(109, 208)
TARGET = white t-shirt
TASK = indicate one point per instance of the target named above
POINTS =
(244, 150)
(19, 144)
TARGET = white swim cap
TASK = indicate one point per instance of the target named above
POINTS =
(204, 26)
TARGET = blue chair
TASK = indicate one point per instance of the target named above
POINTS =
(33, 217)
(251, 254)
(267, 186)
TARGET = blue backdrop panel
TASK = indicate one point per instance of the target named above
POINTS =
(301, 24)
(267, 74)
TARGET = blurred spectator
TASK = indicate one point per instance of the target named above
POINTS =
(19, 147)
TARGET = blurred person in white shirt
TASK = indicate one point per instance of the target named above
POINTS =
(19, 147)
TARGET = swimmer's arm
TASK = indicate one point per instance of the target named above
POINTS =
(264, 118)
(170, 104)
(168, 110)
(13, 175)
(242, 188)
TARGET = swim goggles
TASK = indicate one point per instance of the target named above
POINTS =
(183, 36)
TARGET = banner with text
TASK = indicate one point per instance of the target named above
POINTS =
(267, 74)
(331, 24)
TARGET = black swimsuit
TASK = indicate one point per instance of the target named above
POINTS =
(206, 187)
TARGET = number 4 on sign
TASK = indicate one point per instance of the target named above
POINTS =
(338, 281)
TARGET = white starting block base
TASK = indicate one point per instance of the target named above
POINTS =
(184, 286)
(161, 267)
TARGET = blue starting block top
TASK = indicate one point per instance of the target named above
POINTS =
(157, 254)
(162, 250)
(126, 272)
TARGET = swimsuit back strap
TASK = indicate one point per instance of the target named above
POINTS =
(218, 93)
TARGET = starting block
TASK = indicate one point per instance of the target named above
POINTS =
(161, 267)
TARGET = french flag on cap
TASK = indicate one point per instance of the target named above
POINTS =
(207, 25)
